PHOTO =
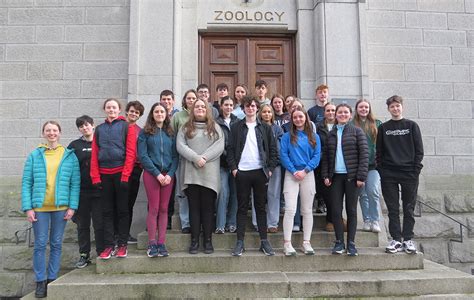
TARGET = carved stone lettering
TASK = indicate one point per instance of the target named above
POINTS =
(247, 16)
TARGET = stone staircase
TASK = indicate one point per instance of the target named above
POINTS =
(253, 275)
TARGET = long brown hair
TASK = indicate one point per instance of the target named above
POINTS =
(369, 126)
(183, 103)
(308, 128)
(189, 128)
(150, 124)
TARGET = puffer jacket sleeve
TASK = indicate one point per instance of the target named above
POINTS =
(75, 184)
(363, 152)
(274, 156)
(27, 184)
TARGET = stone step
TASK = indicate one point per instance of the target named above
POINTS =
(318, 222)
(177, 241)
(256, 261)
(433, 280)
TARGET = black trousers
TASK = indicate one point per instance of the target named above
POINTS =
(114, 209)
(133, 187)
(322, 192)
(246, 181)
(201, 210)
(391, 193)
(340, 187)
(89, 207)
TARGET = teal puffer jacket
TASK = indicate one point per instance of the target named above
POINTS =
(68, 180)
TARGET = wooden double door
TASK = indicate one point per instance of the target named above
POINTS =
(234, 59)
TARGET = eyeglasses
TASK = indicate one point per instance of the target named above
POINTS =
(250, 105)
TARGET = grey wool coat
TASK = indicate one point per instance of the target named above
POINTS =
(191, 151)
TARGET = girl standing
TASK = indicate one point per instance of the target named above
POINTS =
(157, 153)
(178, 120)
(266, 115)
(226, 208)
(369, 196)
(200, 142)
(50, 195)
(300, 154)
(112, 160)
(281, 115)
(344, 169)
(323, 128)
(288, 102)
(240, 91)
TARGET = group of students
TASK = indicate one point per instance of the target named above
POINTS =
(218, 159)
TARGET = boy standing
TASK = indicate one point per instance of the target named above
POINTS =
(133, 111)
(89, 201)
(222, 90)
(261, 89)
(251, 155)
(203, 94)
(167, 99)
(316, 113)
(399, 152)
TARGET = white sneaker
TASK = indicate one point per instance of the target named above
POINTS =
(288, 249)
(394, 246)
(306, 248)
(409, 247)
(367, 226)
(375, 227)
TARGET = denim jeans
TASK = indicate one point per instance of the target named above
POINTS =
(273, 200)
(232, 206)
(226, 205)
(369, 197)
(41, 229)
(183, 203)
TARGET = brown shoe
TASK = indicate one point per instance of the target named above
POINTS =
(329, 227)
(344, 224)
(272, 229)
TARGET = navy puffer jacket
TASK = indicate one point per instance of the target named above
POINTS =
(354, 149)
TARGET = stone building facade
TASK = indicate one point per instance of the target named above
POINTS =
(62, 58)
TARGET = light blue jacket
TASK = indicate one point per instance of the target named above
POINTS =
(299, 156)
(68, 180)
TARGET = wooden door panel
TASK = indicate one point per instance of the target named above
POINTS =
(224, 54)
(268, 53)
(274, 80)
(245, 59)
(230, 78)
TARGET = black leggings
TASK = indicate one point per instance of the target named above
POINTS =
(342, 186)
(114, 209)
(201, 210)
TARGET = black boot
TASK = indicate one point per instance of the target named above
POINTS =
(49, 281)
(208, 248)
(41, 291)
(193, 249)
